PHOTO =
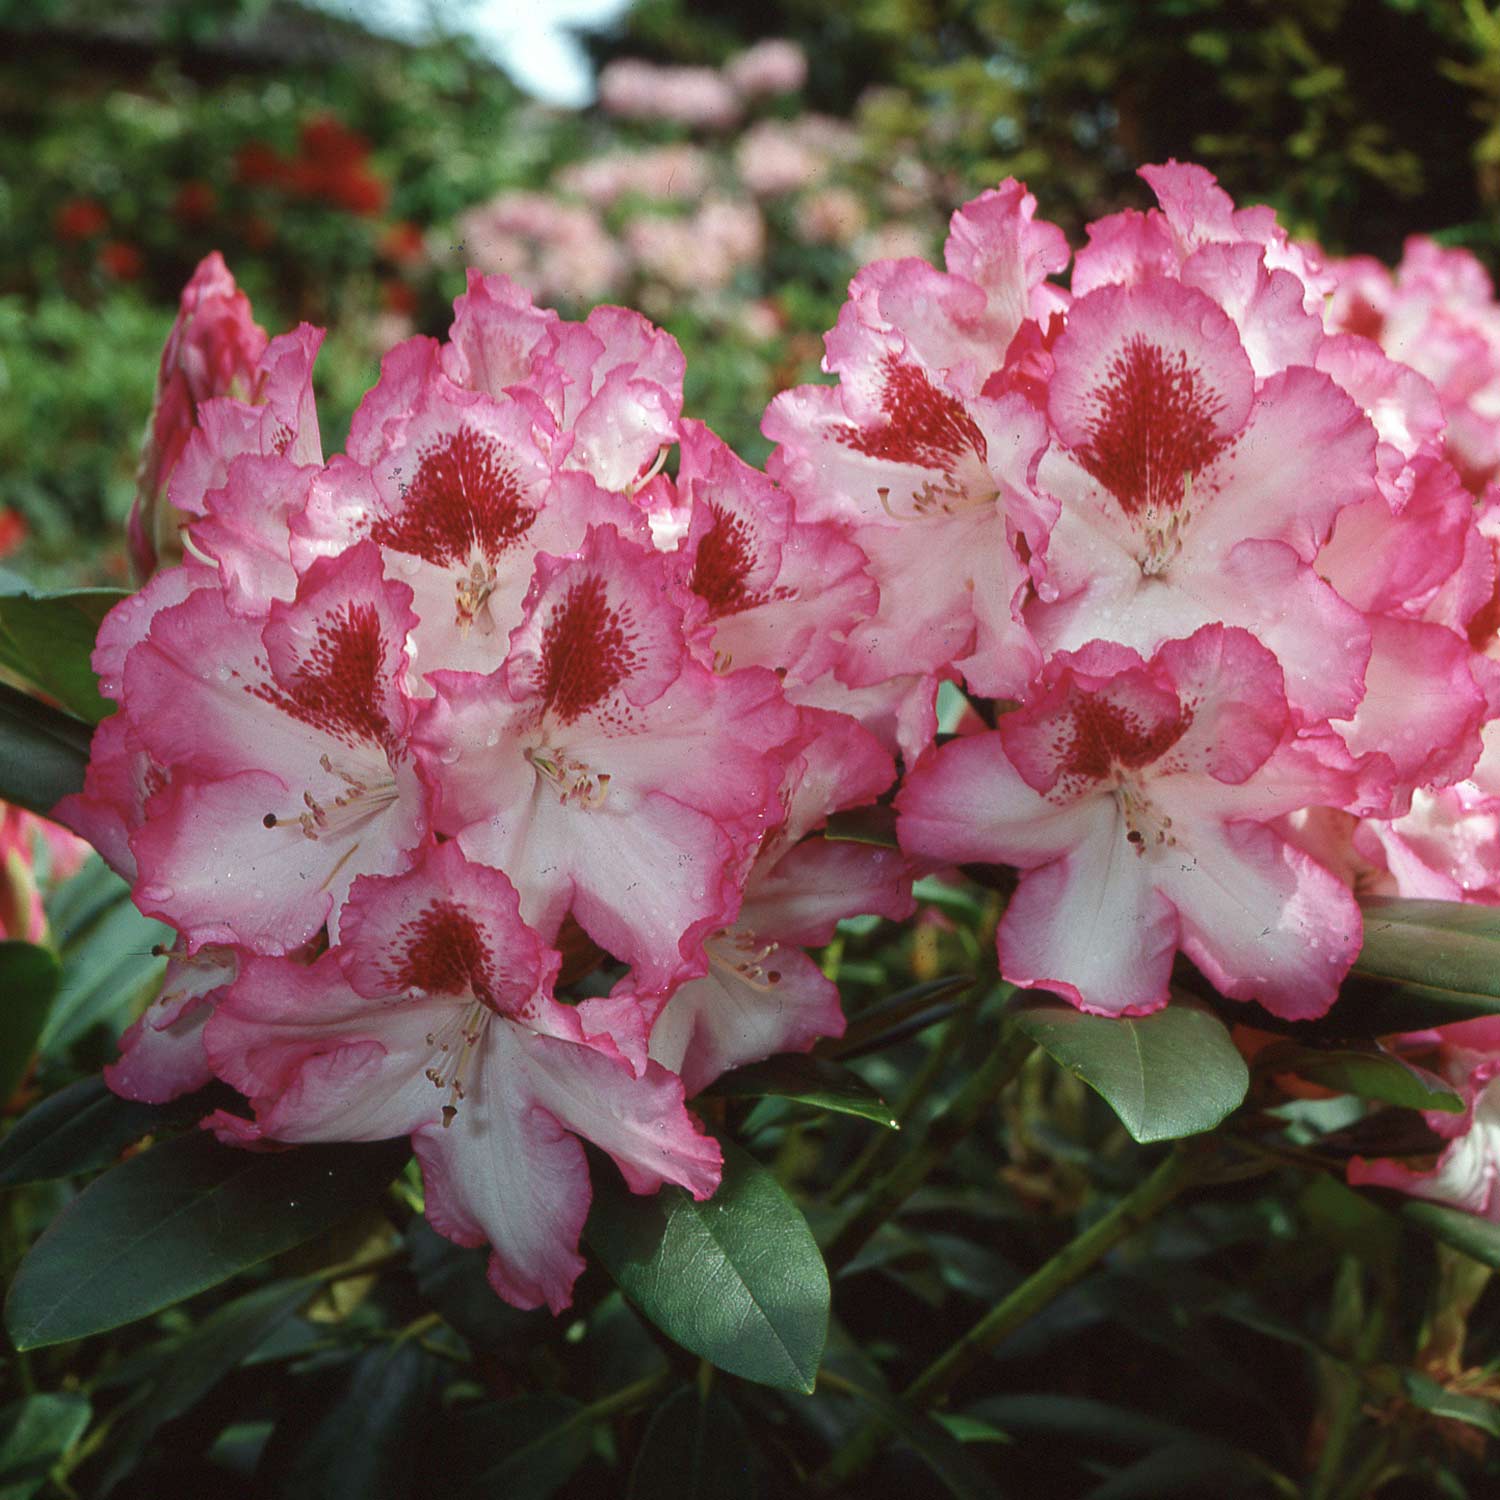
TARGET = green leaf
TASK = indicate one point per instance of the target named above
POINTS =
(808, 1080)
(1366, 1074)
(524, 1450)
(1172, 1073)
(958, 1471)
(361, 1441)
(49, 638)
(43, 752)
(85, 1126)
(1441, 1402)
(875, 824)
(28, 983)
(696, 1448)
(34, 1434)
(1191, 1469)
(1476, 1237)
(199, 1361)
(902, 1015)
(737, 1279)
(183, 1216)
(1078, 1419)
(1436, 962)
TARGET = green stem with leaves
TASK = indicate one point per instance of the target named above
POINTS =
(946, 1131)
(1131, 1213)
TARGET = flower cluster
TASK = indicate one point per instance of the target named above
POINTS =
(489, 712)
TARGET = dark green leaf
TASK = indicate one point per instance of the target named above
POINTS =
(28, 982)
(1079, 1419)
(1436, 962)
(48, 639)
(523, 1450)
(808, 1080)
(360, 1442)
(902, 1015)
(696, 1448)
(1173, 1073)
(199, 1361)
(43, 752)
(875, 824)
(1441, 1402)
(1194, 1469)
(1366, 1074)
(34, 1434)
(1476, 1237)
(737, 1279)
(84, 1127)
(183, 1216)
(958, 1471)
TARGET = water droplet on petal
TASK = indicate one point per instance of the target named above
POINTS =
(449, 755)
(492, 738)
(156, 892)
(223, 674)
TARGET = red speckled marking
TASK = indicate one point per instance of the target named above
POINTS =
(924, 426)
(1154, 425)
(586, 651)
(443, 952)
(1100, 737)
(465, 495)
(726, 553)
(338, 687)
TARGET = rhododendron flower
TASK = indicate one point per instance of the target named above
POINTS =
(638, 90)
(1136, 797)
(212, 350)
(435, 1018)
(1466, 1056)
(1190, 492)
(603, 768)
(553, 249)
(761, 993)
(772, 66)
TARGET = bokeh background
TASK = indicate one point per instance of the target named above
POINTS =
(350, 160)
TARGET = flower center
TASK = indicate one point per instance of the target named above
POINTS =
(742, 955)
(454, 1046)
(364, 797)
(576, 784)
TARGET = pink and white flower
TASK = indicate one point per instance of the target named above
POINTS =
(435, 1019)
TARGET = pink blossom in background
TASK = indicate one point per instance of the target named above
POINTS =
(553, 249)
(774, 157)
(831, 216)
(697, 97)
(702, 251)
(773, 66)
(667, 173)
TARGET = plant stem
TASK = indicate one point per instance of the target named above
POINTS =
(945, 1132)
(1070, 1263)
(925, 1078)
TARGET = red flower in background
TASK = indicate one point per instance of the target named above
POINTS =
(121, 260)
(331, 165)
(196, 202)
(80, 219)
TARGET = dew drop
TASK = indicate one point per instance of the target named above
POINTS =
(155, 892)
(492, 738)
(449, 755)
(223, 674)
(407, 565)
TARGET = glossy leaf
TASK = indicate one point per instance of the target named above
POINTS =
(199, 1361)
(737, 1279)
(85, 1126)
(1477, 1238)
(1435, 962)
(696, 1448)
(1365, 1074)
(1173, 1073)
(185, 1215)
(1190, 1469)
(28, 984)
(34, 1434)
(808, 1080)
(49, 638)
(1455, 1405)
(524, 1450)
(360, 1443)
(43, 752)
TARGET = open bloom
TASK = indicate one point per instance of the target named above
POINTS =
(435, 1019)
(1136, 797)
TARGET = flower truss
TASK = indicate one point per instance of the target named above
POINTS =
(539, 686)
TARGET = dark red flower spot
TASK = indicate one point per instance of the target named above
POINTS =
(586, 651)
(466, 494)
(1104, 736)
(726, 553)
(1154, 426)
(338, 687)
(443, 953)
(923, 425)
